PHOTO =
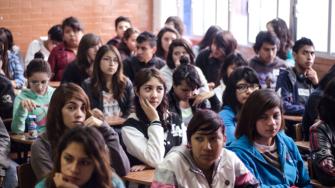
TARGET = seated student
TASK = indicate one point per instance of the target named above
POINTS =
(185, 83)
(176, 23)
(297, 83)
(45, 44)
(6, 90)
(204, 162)
(242, 82)
(146, 47)
(179, 51)
(164, 38)
(322, 140)
(152, 130)
(180, 48)
(262, 145)
(8, 175)
(266, 63)
(108, 89)
(82, 67)
(14, 50)
(311, 111)
(11, 65)
(279, 27)
(210, 60)
(230, 63)
(183, 93)
(35, 99)
(81, 160)
(65, 52)
(121, 23)
(207, 39)
(69, 108)
(127, 47)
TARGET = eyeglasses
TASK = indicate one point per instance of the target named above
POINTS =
(37, 83)
(244, 87)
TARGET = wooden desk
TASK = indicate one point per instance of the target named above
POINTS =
(54, 84)
(144, 177)
(293, 118)
(21, 138)
(303, 145)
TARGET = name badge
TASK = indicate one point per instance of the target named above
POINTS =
(275, 72)
(303, 92)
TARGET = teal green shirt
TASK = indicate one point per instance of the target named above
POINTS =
(20, 114)
(116, 181)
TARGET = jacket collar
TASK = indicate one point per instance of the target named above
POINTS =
(245, 145)
(186, 152)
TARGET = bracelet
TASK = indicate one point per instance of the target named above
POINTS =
(155, 122)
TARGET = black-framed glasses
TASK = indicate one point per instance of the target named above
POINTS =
(244, 87)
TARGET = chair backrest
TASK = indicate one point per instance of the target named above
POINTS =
(26, 176)
(298, 131)
(8, 123)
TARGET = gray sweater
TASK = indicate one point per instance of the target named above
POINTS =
(41, 153)
(4, 148)
(267, 72)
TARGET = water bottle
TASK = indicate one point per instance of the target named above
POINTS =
(32, 127)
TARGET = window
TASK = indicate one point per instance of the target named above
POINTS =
(208, 12)
(260, 12)
(238, 21)
(245, 18)
(333, 29)
(263, 11)
(311, 26)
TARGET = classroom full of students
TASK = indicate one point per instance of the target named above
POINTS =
(199, 115)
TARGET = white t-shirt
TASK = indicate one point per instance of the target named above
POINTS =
(35, 46)
(186, 114)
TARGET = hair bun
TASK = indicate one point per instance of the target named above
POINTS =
(184, 60)
(38, 55)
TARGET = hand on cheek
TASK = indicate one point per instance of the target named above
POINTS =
(149, 110)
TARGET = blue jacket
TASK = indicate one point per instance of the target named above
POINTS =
(229, 121)
(293, 170)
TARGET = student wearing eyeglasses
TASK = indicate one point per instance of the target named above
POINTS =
(35, 100)
(109, 90)
(241, 83)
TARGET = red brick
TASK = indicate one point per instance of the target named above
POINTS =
(29, 19)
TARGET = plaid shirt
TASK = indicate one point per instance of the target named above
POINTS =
(15, 68)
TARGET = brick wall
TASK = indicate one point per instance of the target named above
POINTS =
(29, 19)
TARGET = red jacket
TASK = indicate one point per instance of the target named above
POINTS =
(59, 58)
